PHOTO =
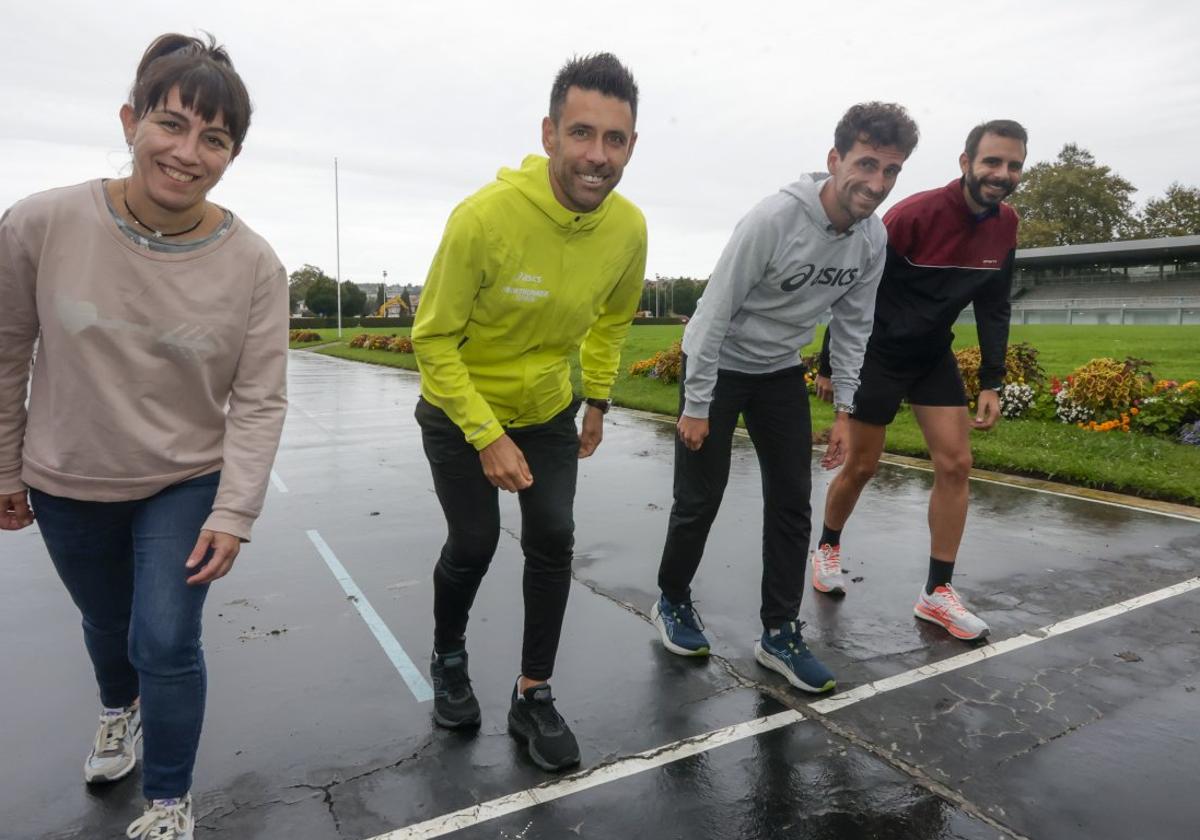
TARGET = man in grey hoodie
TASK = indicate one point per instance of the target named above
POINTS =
(815, 245)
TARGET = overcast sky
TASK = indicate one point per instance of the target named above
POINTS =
(422, 102)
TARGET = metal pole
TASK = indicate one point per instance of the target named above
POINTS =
(337, 233)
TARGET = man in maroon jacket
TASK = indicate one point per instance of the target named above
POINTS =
(947, 248)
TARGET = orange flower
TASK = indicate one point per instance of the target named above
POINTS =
(1133, 411)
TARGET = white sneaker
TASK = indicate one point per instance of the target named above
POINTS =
(827, 570)
(114, 752)
(165, 819)
(944, 608)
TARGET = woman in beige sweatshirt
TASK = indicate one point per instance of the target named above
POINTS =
(155, 405)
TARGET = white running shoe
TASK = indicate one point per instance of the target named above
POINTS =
(114, 752)
(827, 570)
(165, 819)
(944, 608)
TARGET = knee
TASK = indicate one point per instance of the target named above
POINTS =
(954, 467)
(169, 650)
(467, 552)
(857, 472)
(549, 547)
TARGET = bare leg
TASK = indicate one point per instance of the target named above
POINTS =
(866, 445)
(946, 430)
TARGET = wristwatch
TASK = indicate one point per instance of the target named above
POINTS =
(848, 408)
(602, 405)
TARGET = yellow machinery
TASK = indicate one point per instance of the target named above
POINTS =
(388, 304)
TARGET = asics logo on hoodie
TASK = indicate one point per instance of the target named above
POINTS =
(828, 276)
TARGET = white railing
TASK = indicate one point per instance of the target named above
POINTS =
(1108, 303)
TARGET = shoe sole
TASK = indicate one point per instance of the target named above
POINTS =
(102, 779)
(768, 661)
(517, 731)
(832, 590)
(656, 618)
(446, 723)
(950, 628)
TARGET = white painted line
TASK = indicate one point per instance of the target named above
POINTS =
(587, 779)
(278, 482)
(408, 671)
(650, 759)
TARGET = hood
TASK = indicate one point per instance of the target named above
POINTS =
(532, 180)
(807, 190)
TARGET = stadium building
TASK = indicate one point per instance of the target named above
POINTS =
(1138, 281)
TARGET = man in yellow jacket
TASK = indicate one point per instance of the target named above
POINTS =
(543, 262)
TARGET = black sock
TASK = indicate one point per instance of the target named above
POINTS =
(940, 573)
(829, 536)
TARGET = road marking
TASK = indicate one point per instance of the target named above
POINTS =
(278, 482)
(650, 759)
(408, 671)
(587, 779)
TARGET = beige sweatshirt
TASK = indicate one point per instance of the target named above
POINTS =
(152, 367)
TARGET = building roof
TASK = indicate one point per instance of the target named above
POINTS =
(1125, 252)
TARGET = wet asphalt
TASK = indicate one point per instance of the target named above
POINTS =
(312, 733)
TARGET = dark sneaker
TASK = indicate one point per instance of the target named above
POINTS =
(784, 651)
(454, 703)
(533, 720)
(680, 626)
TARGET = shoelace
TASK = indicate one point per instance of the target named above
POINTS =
(160, 822)
(829, 561)
(953, 605)
(792, 641)
(111, 732)
(687, 615)
(548, 720)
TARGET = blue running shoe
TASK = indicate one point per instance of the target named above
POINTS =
(784, 651)
(680, 627)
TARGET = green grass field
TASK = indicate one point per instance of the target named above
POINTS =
(1133, 463)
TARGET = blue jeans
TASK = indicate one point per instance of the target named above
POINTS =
(122, 563)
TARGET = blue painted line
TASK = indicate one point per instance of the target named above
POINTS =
(408, 671)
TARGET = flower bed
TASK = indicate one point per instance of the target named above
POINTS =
(303, 336)
(390, 343)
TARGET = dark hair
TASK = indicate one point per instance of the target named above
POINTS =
(601, 72)
(204, 73)
(877, 124)
(1001, 128)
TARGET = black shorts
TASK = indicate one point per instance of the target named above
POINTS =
(888, 380)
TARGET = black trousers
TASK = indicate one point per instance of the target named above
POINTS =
(472, 509)
(775, 406)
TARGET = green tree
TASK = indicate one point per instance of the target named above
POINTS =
(354, 300)
(1073, 201)
(404, 296)
(1177, 213)
(380, 298)
(321, 296)
(301, 280)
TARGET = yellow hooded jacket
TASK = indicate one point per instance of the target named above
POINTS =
(518, 284)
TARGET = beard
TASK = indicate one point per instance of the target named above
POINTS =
(975, 188)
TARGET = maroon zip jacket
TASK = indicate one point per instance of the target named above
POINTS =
(942, 256)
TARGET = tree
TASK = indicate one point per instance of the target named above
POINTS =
(301, 280)
(1177, 213)
(380, 298)
(1073, 201)
(321, 296)
(404, 296)
(354, 300)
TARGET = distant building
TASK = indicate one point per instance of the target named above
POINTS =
(1137, 281)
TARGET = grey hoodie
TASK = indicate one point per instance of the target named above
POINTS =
(783, 267)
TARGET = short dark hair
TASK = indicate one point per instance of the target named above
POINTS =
(877, 124)
(601, 72)
(204, 73)
(1001, 128)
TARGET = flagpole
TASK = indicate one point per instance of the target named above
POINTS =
(337, 232)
